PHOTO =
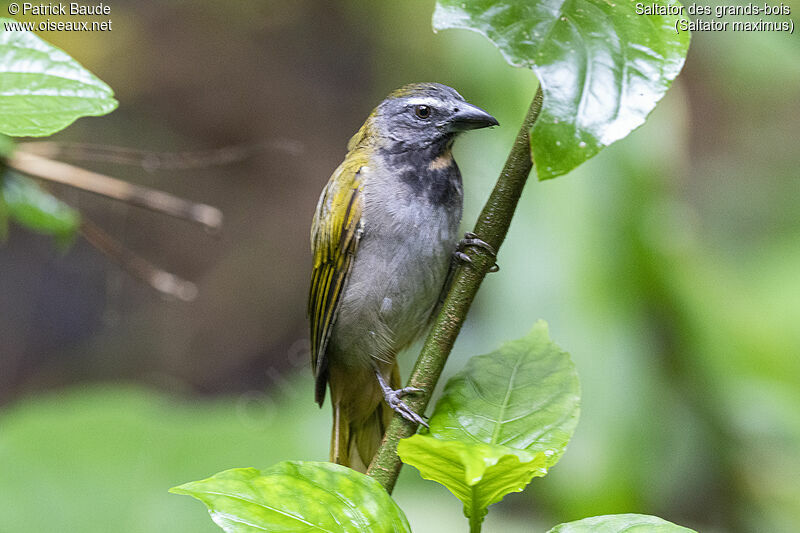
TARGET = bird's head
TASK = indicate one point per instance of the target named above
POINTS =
(422, 115)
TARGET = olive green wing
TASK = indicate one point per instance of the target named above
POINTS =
(335, 233)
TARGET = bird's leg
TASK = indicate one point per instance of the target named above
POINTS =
(470, 239)
(394, 399)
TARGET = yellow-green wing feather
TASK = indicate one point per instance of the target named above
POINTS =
(335, 233)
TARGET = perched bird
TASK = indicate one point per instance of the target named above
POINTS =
(383, 238)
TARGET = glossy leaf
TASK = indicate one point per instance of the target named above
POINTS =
(478, 474)
(25, 203)
(621, 523)
(42, 89)
(525, 395)
(297, 496)
(602, 67)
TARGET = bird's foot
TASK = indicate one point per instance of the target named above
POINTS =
(470, 239)
(394, 398)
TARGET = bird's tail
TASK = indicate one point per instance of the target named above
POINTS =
(360, 418)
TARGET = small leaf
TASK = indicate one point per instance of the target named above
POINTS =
(42, 89)
(621, 523)
(602, 67)
(297, 496)
(477, 474)
(28, 205)
(525, 396)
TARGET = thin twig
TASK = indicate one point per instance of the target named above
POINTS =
(492, 226)
(151, 160)
(162, 202)
(161, 280)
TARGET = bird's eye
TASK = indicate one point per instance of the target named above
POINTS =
(422, 111)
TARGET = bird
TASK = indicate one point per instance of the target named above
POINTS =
(383, 238)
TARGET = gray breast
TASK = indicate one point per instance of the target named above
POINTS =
(399, 268)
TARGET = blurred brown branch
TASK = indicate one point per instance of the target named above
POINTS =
(162, 202)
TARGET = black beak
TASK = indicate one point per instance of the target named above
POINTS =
(469, 117)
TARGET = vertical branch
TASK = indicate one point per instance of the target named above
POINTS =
(492, 226)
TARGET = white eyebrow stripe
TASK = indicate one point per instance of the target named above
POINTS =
(428, 100)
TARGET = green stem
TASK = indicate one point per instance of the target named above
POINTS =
(475, 523)
(476, 515)
(492, 226)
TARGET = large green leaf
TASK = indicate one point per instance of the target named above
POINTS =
(525, 396)
(25, 203)
(297, 496)
(506, 418)
(477, 474)
(621, 523)
(602, 67)
(42, 89)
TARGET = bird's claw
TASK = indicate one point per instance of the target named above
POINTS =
(471, 239)
(461, 256)
(394, 399)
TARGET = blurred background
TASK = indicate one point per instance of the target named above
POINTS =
(668, 266)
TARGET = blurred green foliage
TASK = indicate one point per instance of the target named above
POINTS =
(104, 457)
(43, 89)
(27, 204)
(667, 266)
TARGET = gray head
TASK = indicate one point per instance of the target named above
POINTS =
(422, 115)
